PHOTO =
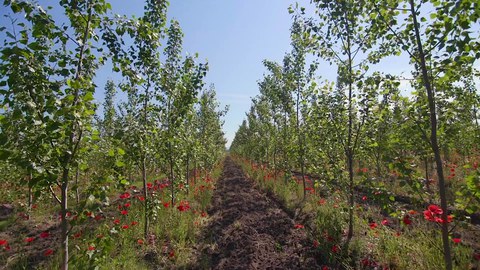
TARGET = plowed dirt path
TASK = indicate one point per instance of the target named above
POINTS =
(249, 230)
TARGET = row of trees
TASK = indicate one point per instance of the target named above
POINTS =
(168, 124)
(297, 123)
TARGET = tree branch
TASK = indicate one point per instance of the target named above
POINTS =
(54, 195)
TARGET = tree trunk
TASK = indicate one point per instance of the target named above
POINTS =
(434, 139)
(188, 172)
(77, 193)
(300, 145)
(350, 151)
(285, 165)
(172, 182)
(351, 197)
(30, 193)
(64, 222)
(145, 195)
(195, 171)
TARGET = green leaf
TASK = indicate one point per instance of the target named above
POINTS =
(119, 163)
(16, 7)
(88, 97)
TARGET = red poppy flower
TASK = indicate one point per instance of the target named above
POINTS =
(29, 239)
(316, 244)
(171, 254)
(3, 242)
(7, 247)
(91, 248)
(364, 198)
(166, 204)
(322, 201)
(325, 267)
(183, 206)
(141, 198)
(433, 214)
(407, 220)
(449, 218)
(134, 223)
(98, 217)
(384, 222)
(456, 240)
(335, 248)
(476, 256)
(48, 252)
(77, 235)
(412, 212)
(125, 227)
(435, 209)
(124, 212)
(362, 170)
(127, 205)
(116, 221)
(149, 185)
(140, 241)
(373, 225)
(428, 215)
(299, 226)
(125, 195)
(365, 262)
(162, 186)
(203, 214)
(44, 234)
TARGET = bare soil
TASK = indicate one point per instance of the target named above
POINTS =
(249, 229)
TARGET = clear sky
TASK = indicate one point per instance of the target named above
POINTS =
(235, 36)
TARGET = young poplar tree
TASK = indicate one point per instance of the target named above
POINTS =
(139, 63)
(345, 37)
(442, 48)
(48, 72)
(181, 81)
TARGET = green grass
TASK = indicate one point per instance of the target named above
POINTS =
(173, 235)
(416, 246)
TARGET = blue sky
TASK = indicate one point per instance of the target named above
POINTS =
(235, 36)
